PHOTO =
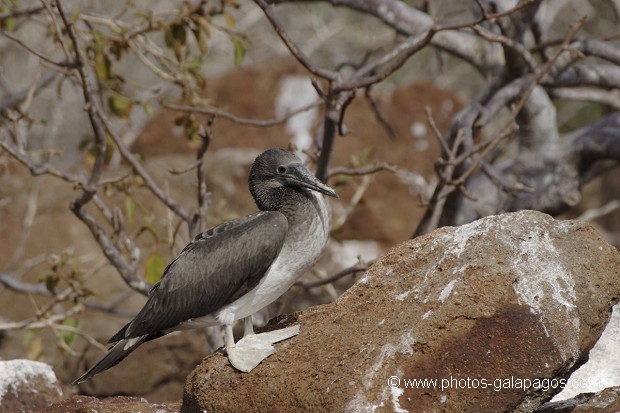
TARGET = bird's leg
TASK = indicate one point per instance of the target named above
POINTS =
(248, 326)
(228, 336)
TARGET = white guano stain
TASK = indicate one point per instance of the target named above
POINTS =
(539, 273)
(402, 296)
(360, 402)
(543, 283)
(445, 293)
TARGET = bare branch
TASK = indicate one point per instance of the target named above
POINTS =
(600, 75)
(380, 118)
(64, 64)
(21, 12)
(15, 99)
(295, 51)
(595, 213)
(589, 94)
(366, 170)
(239, 120)
(20, 248)
(353, 270)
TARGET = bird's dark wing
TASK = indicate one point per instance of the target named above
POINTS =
(215, 269)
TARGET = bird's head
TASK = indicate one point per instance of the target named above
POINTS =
(276, 174)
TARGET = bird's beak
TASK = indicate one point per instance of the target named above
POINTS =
(299, 175)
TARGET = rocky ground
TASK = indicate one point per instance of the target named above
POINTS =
(479, 309)
(495, 315)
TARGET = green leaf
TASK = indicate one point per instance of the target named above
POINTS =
(120, 105)
(193, 64)
(130, 209)
(9, 24)
(51, 281)
(68, 336)
(175, 36)
(98, 41)
(109, 149)
(155, 265)
(102, 66)
(200, 80)
(148, 108)
(180, 120)
(178, 33)
(239, 50)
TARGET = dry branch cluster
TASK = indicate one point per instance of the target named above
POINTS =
(504, 152)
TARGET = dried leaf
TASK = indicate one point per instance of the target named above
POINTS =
(230, 20)
(205, 25)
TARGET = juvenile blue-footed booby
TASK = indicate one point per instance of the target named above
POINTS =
(237, 268)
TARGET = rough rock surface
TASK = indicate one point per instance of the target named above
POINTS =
(602, 369)
(606, 401)
(27, 386)
(120, 404)
(479, 308)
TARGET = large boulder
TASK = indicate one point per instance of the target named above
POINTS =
(489, 316)
(27, 386)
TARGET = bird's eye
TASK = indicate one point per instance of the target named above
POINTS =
(281, 169)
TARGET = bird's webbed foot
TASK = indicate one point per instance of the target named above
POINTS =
(248, 352)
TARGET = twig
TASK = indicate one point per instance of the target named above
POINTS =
(90, 188)
(507, 42)
(590, 94)
(595, 213)
(21, 13)
(391, 61)
(25, 233)
(9, 281)
(36, 322)
(201, 190)
(64, 64)
(355, 200)
(436, 133)
(14, 99)
(141, 171)
(374, 105)
(354, 269)
(42, 169)
(292, 47)
(366, 170)
(238, 119)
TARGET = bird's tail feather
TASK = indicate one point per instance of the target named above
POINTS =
(115, 355)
